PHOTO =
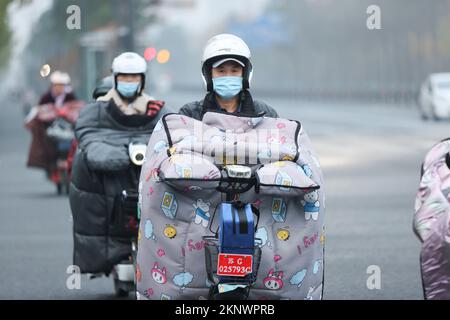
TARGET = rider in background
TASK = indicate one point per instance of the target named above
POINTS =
(42, 153)
(60, 90)
(227, 73)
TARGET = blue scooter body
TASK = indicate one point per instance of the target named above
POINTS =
(236, 232)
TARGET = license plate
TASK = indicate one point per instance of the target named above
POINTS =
(235, 265)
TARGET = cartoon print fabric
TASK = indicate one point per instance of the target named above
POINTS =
(432, 222)
(178, 197)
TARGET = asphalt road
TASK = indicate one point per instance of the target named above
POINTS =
(370, 155)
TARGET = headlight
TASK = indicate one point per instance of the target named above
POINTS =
(441, 100)
(137, 153)
(237, 171)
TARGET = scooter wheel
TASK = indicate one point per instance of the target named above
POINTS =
(67, 188)
(120, 293)
(59, 188)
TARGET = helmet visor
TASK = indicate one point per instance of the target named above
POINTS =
(218, 63)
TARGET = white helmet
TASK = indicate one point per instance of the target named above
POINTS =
(224, 46)
(59, 77)
(129, 63)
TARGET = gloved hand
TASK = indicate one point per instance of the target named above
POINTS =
(61, 112)
(154, 106)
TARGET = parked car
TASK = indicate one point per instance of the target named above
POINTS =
(434, 99)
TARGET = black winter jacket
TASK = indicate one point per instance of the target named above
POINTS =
(197, 109)
(101, 171)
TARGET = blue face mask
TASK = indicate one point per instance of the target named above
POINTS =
(227, 87)
(128, 89)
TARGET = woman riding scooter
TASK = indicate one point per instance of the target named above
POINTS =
(230, 157)
(102, 171)
(51, 125)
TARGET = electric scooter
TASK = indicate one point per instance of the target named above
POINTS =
(61, 132)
